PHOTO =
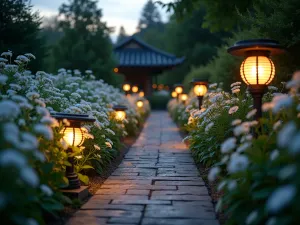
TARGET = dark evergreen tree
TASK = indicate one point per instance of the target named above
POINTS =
(86, 43)
(150, 17)
(20, 32)
(122, 34)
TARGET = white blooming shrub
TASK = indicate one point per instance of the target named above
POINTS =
(256, 164)
(32, 153)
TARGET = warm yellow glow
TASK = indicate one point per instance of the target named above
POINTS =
(257, 70)
(73, 136)
(135, 89)
(183, 97)
(141, 94)
(126, 87)
(200, 89)
(120, 115)
(116, 70)
(174, 94)
(179, 90)
(140, 103)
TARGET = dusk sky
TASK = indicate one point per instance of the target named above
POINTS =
(115, 12)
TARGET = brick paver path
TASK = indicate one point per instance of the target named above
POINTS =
(156, 183)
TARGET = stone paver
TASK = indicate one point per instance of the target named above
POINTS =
(156, 183)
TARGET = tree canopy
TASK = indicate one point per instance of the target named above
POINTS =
(85, 44)
(19, 30)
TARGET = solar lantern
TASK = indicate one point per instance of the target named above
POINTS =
(140, 103)
(257, 70)
(183, 98)
(141, 93)
(73, 135)
(174, 94)
(120, 112)
(135, 89)
(126, 88)
(200, 89)
(178, 88)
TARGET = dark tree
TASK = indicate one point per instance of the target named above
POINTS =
(86, 43)
(122, 34)
(150, 17)
(20, 32)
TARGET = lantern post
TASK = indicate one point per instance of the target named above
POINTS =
(257, 70)
(74, 137)
(200, 89)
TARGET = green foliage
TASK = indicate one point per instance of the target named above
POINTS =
(20, 32)
(159, 100)
(85, 44)
(33, 153)
(122, 35)
(256, 163)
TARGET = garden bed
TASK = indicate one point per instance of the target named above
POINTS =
(96, 181)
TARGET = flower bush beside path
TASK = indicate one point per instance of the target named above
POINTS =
(32, 153)
(255, 164)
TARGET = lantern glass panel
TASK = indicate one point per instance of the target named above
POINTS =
(120, 115)
(184, 97)
(174, 94)
(141, 94)
(135, 89)
(140, 104)
(73, 136)
(257, 70)
(126, 87)
(179, 90)
(200, 89)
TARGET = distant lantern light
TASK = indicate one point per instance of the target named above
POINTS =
(126, 88)
(257, 70)
(116, 69)
(178, 89)
(142, 94)
(135, 89)
(73, 135)
(200, 89)
(174, 94)
(183, 98)
(120, 112)
(140, 103)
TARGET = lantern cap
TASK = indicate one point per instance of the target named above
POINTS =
(196, 81)
(73, 117)
(119, 107)
(242, 48)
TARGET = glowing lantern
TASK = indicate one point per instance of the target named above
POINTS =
(140, 103)
(178, 88)
(126, 88)
(200, 89)
(135, 89)
(116, 70)
(142, 94)
(174, 94)
(73, 135)
(183, 98)
(257, 70)
(120, 113)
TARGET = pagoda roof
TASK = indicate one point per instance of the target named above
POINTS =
(133, 52)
